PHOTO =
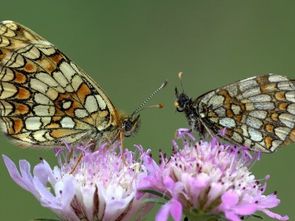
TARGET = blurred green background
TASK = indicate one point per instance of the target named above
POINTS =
(130, 47)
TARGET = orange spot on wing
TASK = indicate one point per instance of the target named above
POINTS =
(268, 142)
(58, 133)
(269, 128)
(283, 106)
(280, 95)
(22, 109)
(83, 91)
(274, 116)
(57, 58)
(229, 113)
(238, 118)
(265, 88)
(23, 93)
(18, 125)
(30, 67)
(20, 78)
(52, 126)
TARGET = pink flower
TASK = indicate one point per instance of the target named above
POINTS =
(205, 180)
(102, 186)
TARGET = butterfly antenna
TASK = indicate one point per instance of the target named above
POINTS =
(142, 105)
(180, 75)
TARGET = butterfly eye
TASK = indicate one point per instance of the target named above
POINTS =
(130, 126)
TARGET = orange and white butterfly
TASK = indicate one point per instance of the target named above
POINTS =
(46, 100)
(257, 112)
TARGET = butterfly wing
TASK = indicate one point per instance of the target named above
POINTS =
(44, 97)
(258, 112)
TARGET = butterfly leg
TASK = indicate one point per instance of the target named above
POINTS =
(205, 130)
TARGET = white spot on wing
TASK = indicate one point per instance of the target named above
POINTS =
(258, 114)
(81, 113)
(67, 70)
(91, 104)
(286, 86)
(67, 122)
(290, 96)
(253, 122)
(264, 106)
(101, 103)
(43, 110)
(237, 137)
(33, 123)
(251, 92)
(76, 82)
(236, 109)
(277, 78)
(291, 108)
(287, 119)
(60, 78)
(227, 122)
(255, 135)
(247, 83)
(38, 85)
(42, 99)
(216, 101)
(260, 98)
(282, 132)
(66, 105)
(47, 79)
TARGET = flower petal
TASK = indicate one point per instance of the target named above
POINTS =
(163, 213)
(176, 209)
(275, 215)
(229, 199)
(27, 184)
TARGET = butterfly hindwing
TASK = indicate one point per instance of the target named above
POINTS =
(44, 97)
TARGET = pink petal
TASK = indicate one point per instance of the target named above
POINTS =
(229, 199)
(269, 201)
(232, 216)
(168, 182)
(275, 215)
(163, 213)
(176, 209)
(245, 209)
(173, 207)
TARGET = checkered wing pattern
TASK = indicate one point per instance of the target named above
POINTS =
(44, 97)
(258, 112)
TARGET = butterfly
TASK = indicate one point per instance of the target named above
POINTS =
(46, 100)
(257, 112)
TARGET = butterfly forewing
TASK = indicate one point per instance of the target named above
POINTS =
(44, 97)
(258, 112)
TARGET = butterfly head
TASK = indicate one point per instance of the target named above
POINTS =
(182, 101)
(130, 125)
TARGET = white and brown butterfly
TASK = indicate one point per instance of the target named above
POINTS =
(46, 100)
(257, 112)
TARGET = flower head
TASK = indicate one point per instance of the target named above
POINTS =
(89, 186)
(207, 180)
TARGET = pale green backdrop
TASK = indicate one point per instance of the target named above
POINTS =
(129, 47)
